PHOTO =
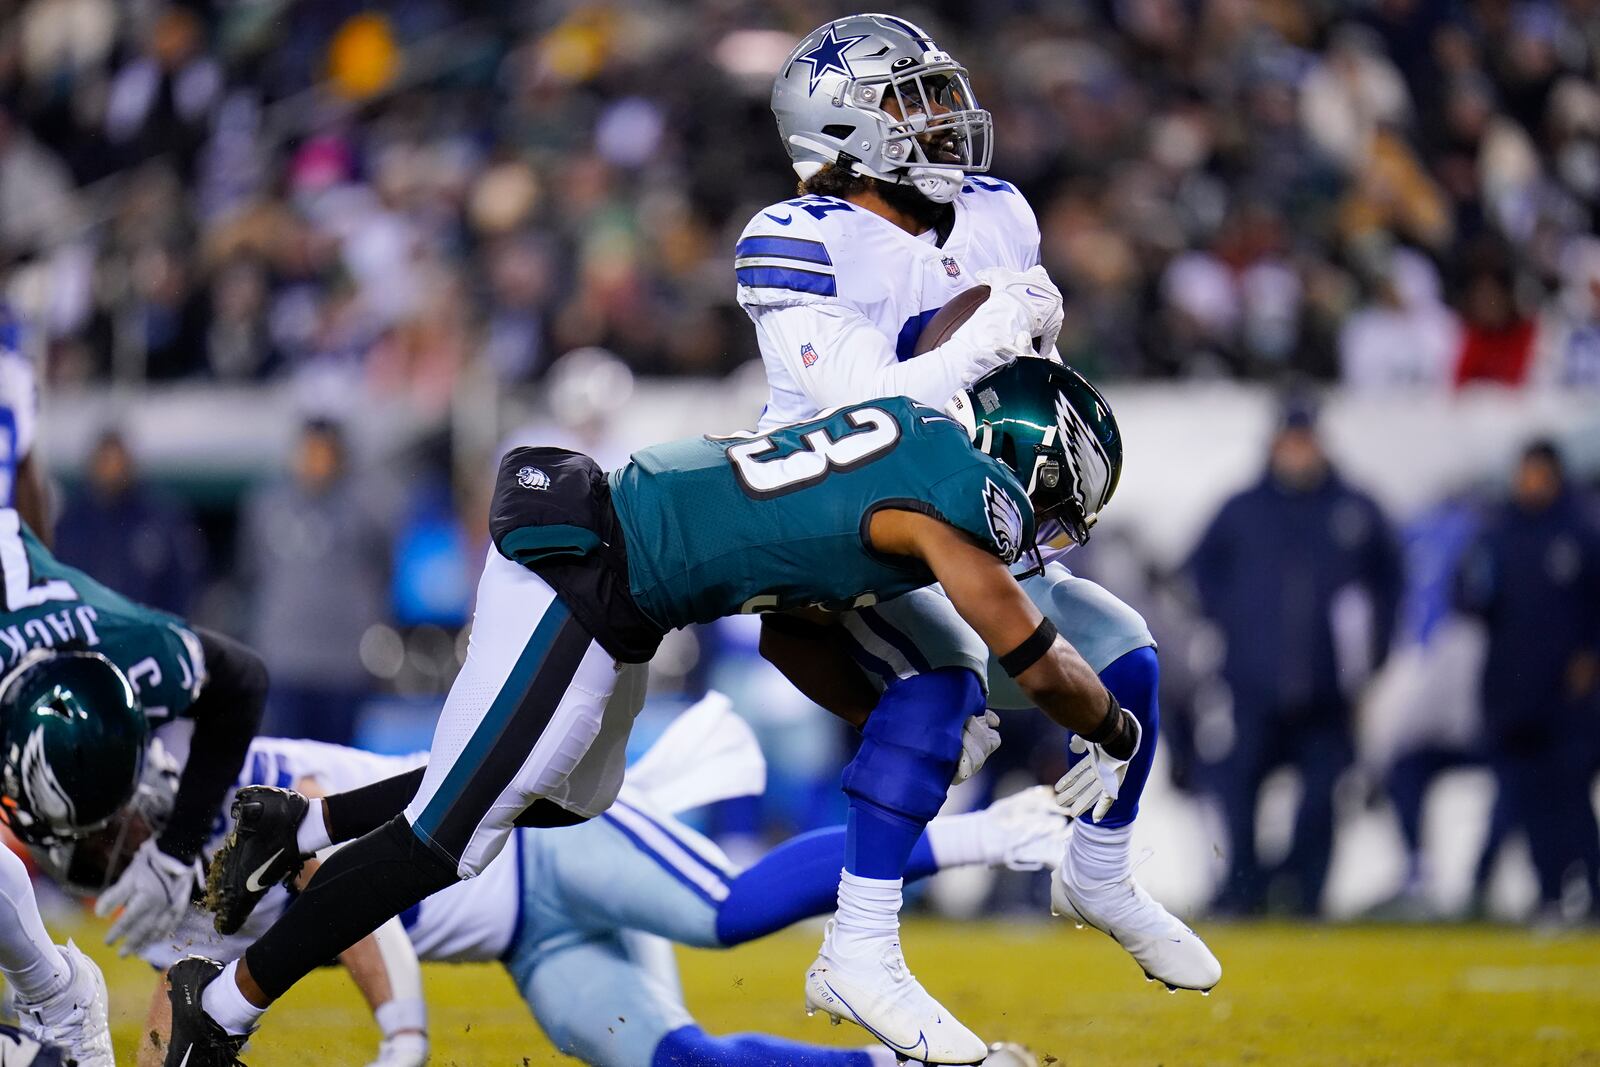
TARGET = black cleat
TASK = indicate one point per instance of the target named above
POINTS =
(197, 1040)
(260, 852)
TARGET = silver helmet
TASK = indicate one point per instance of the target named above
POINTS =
(875, 92)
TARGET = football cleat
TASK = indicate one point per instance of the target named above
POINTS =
(1167, 950)
(74, 1020)
(261, 851)
(876, 992)
(1010, 1054)
(17, 1049)
(1025, 831)
(196, 1039)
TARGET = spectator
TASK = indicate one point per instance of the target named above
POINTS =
(1407, 336)
(129, 535)
(1271, 569)
(316, 557)
(1534, 578)
(1567, 353)
(1497, 341)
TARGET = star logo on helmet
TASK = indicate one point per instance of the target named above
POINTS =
(828, 55)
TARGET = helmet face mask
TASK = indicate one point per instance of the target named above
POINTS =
(874, 92)
(1048, 424)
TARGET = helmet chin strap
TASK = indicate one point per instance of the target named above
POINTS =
(939, 184)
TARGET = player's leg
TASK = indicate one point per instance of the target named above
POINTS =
(1323, 751)
(519, 720)
(799, 879)
(596, 1001)
(61, 996)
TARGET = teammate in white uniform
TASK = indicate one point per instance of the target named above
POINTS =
(21, 483)
(895, 218)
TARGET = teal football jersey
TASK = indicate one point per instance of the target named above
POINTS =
(47, 604)
(722, 526)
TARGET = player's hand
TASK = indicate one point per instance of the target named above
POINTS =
(154, 895)
(409, 1048)
(1096, 779)
(1038, 295)
(979, 739)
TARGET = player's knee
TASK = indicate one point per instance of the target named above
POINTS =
(13, 875)
(1135, 680)
(912, 742)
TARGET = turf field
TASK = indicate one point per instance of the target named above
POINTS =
(1289, 995)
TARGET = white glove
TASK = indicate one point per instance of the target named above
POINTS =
(1095, 781)
(979, 739)
(407, 1049)
(1038, 295)
(154, 894)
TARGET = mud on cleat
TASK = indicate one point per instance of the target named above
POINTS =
(1010, 1054)
(259, 853)
(875, 991)
(1167, 950)
(196, 1039)
(73, 1020)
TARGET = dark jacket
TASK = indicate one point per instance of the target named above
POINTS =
(1268, 569)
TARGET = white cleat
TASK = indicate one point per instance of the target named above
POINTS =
(1169, 951)
(1010, 1054)
(876, 992)
(1026, 831)
(75, 1018)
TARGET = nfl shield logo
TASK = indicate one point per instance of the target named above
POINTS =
(808, 355)
(951, 267)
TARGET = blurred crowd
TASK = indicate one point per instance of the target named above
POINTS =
(1396, 191)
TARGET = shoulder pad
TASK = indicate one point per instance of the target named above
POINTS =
(786, 253)
(1003, 202)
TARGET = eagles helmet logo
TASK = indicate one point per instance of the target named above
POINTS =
(533, 478)
(1091, 466)
(45, 798)
(1005, 521)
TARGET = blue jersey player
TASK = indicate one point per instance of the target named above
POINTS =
(896, 216)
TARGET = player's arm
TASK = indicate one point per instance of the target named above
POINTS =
(226, 715)
(31, 498)
(812, 655)
(852, 361)
(1047, 668)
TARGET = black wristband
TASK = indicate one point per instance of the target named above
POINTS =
(1029, 652)
(1115, 732)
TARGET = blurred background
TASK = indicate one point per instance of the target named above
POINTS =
(291, 275)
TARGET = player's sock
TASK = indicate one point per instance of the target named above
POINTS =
(357, 812)
(868, 915)
(796, 880)
(690, 1046)
(356, 890)
(1100, 855)
(227, 1006)
(28, 958)
(312, 835)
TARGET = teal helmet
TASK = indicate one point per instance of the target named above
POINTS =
(74, 736)
(1046, 422)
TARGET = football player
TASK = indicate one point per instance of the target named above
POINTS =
(894, 218)
(576, 916)
(587, 574)
(21, 481)
(87, 675)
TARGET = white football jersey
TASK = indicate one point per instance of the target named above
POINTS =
(471, 920)
(19, 406)
(839, 295)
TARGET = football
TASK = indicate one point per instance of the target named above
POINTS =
(950, 317)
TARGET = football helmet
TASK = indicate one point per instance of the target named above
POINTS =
(87, 866)
(875, 92)
(1046, 422)
(73, 734)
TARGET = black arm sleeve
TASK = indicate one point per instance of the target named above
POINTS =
(226, 717)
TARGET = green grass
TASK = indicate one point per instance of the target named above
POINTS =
(1289, 995)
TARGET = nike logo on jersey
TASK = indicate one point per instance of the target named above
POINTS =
(254, 883)
(784, 221)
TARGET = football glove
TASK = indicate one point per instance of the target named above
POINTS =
(1093, 783)
(1038, 295)
(408, 1049)
(979, 739)
(154, 895)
